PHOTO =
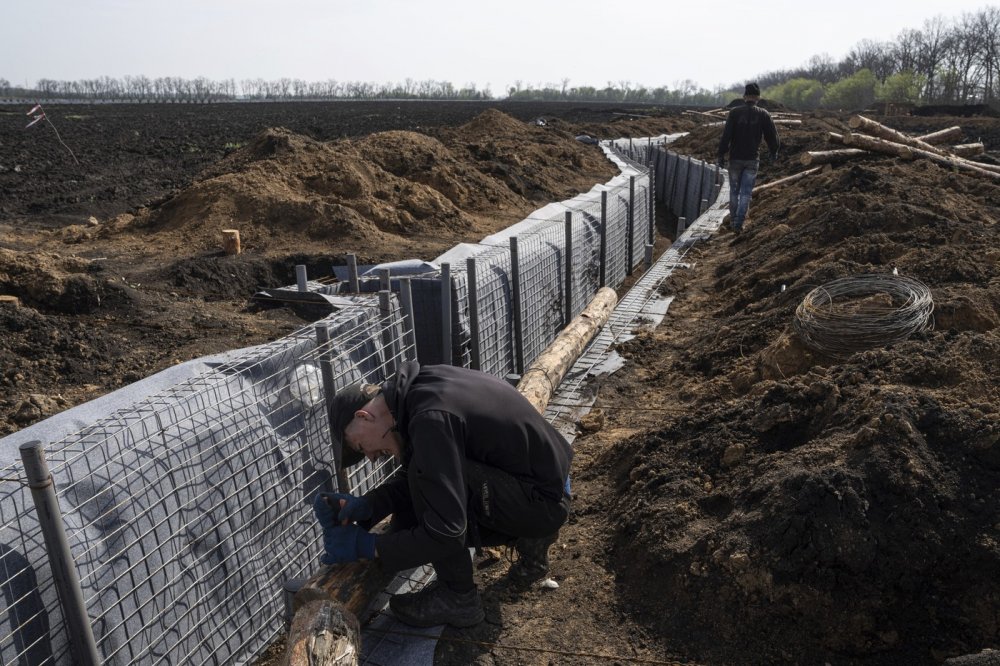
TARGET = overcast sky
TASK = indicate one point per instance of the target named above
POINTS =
(486, 42)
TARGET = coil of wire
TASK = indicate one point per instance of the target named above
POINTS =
(862, 312)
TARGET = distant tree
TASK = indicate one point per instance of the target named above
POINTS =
(853, 92)
(901, 87)
(797, 93)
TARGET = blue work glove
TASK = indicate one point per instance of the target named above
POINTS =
(333, 509)
(347, 543)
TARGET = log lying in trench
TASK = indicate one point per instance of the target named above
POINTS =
(325, 626)
(830, 156)
(946, 135)
(878, 145)
(545, 373)
(968, 149)
(787, 179)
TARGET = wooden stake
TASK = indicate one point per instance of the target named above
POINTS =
(231, 241)
(788, 179)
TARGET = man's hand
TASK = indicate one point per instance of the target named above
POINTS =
(333, 509)
(345, 544)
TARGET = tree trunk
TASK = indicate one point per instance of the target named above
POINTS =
(323, 633)
(968, 149)
(830, 156)
(878, 129)
(878, 145)
(788, 179)
(942, 136)
(545, 373)
(833, 137)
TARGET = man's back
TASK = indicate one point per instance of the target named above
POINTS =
(745, 126)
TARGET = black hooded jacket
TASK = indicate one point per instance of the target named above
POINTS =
(446, 415)
(745, 126)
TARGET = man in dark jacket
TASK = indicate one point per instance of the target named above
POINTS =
(480, 466)
(745, 126)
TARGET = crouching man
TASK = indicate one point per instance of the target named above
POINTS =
(480, 467)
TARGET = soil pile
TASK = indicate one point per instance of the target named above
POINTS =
(807, 508)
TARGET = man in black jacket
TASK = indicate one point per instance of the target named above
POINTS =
(480, 466)
(745, 126)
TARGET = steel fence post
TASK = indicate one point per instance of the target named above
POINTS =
(652, 202)
(388, 339)
(406, 301)
(604, 239)
(470, 271)
(569, 269)
(301, 279)
(631, 222)
(384, 281)
(329, 391)
(515, 269)
(352, 273)
(446, 355)
(64, 574)
(649, 255)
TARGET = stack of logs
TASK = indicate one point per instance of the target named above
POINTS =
(868, 136)
(720, 115)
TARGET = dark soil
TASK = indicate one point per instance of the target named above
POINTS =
(741, 498)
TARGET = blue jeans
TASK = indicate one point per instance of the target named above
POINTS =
(742, 174)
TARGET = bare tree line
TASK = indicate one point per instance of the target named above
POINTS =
(177, 89)
(948, 61)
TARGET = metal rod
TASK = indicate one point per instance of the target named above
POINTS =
(604, 239)
(352, 273)
(64, 574)
(515, 273)
(446, 354)
(329, 391)
(388, 339)
(470, 270)
(410, 330)
(569, 269)
(652, 203)
(631, 222)
(300, 278)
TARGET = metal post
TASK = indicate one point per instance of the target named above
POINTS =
(352, 274)
(446, 355)
(389, 345)
(569, 269)
(631, 222)
(515, 274)
(652, 203)
(300, 277)
(681, 225)
(64, 574)
(406, 301)
(704, 206)
(604, 239)
(470, 270)
(329, 391)
(384, 282)
(649, 255)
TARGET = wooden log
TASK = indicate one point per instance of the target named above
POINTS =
(833, 137)
(323, 634)
(878, 145)
(876, 128)
(830, 156)
(946, 135)
(968, 149)
(545, 373)
(231, 241)
(711, 115)
(8, 300)
(786, 180)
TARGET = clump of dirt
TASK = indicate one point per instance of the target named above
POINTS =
(805, 509)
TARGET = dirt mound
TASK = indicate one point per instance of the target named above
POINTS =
(818, 510)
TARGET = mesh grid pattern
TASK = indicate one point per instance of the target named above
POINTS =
(186, 512)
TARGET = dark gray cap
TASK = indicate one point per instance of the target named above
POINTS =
(345, 403)
(752, 90)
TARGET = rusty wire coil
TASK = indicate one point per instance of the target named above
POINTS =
(862, 312)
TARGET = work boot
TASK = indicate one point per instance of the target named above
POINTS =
(533, 559)
(438, 604)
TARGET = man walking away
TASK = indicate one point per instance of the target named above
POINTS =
(740, 140)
